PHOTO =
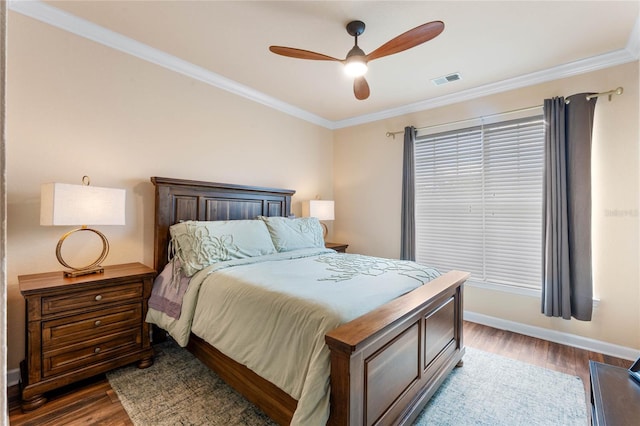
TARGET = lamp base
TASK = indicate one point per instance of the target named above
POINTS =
(81, 272)
(95, 267)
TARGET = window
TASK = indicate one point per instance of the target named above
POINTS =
(479, 201)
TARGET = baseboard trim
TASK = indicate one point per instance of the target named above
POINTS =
(13, 377)
(555, 336)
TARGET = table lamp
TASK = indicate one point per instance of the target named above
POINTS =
(64, 204)
(322, 209)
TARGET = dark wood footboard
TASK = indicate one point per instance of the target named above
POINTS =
(385, 365)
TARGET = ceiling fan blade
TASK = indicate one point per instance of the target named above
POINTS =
(361, 88)
(301, 53)
(407, 40)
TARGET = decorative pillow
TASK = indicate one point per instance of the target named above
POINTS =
(200, 244)
(292, 234)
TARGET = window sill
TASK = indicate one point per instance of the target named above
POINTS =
(522, 291)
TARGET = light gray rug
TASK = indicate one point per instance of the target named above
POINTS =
(488, 390)
(491, 390)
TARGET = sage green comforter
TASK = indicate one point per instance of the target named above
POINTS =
(271, 313)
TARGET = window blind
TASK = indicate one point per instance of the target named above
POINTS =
(479, 201)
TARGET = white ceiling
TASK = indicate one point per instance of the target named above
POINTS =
(494, 45)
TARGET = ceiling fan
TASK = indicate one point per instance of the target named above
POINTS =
(355, 64)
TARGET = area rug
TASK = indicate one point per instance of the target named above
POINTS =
(488, 390)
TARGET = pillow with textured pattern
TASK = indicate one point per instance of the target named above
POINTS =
(293, 234)
(199, 244)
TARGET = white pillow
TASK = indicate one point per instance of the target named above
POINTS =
(200, 244)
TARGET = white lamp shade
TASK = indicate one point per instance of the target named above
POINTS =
(74, 205)
(322, 209)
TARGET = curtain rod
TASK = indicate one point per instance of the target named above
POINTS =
(393, 134)
(617, 91)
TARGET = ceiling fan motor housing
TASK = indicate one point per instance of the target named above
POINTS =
(355, 51)
(355, 28)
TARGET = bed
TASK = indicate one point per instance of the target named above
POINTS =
(384, 364)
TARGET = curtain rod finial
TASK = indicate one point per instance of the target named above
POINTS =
(393, 135)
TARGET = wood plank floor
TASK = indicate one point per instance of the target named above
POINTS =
(554, 356)
(93, 402)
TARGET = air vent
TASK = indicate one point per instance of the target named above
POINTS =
(446, 79)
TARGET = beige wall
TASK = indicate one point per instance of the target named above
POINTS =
(367, 184)
(79, 108)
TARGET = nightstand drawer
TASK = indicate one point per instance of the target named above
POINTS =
(90, 298)
(78, 328)
(88, 352)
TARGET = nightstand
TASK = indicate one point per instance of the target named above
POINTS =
(339, 247)
(83, 326)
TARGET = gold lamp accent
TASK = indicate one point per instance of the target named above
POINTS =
(64, 204)
(322, 209)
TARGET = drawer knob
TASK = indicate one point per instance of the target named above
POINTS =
(96, 350)
(97, 323)
(99, 297)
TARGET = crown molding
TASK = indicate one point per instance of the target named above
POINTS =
(43, 12)
(60, 19)
(606, 60)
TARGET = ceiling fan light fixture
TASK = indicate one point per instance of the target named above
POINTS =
(355, 64)
(355, 67)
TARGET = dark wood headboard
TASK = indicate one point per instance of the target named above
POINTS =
(178, 200)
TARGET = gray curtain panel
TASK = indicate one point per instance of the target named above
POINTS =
(567, 288)
(408, 222)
